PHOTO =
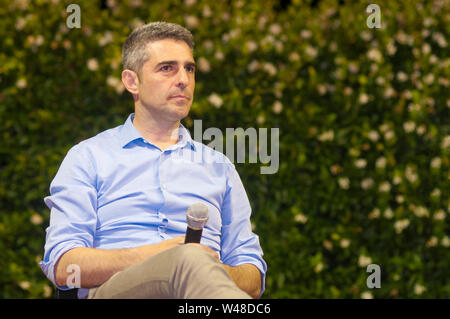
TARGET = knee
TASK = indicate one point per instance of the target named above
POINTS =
(192, 255)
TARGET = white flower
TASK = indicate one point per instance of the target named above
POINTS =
(439, 215)
(21, 83)
(375, 213)
(384, 187)
(277, 107)
(92, 64)
(36, 219)
(311, 51)
(251, 46)
(321, 89)
(426, 49)
(326, 136)
(421, 129)
(364, 261)
(374, 54)
(400, 225)
(389, 135)
(436, 192)
(47, 291)
(219, 55)
(391, 48)
(191, 21)
(380, 80)
(207, 11)
(348, 91)
(409, 126)
(293, 56)
(327, 244)
(260, 120)
(440, 39)
(429, 78)
(399, 199)
(373, 136)
(344, 182)
(24, 285)
(203, 65)
(300, 218)
(363, 98)
(275, 29)
(360, 163)
(367, 183)
(402, 76)
(432, 242)
(381, 162)
(420, 211)
(388, 214)
(115, 83)
(253, 66)
(366, 35)
(318, 268)
(445, 241)
(106, 38)
(189, 3)
(270, 68)
(419, 289)
(344, 243)
(410, 174)
(389, 92)
(306, 34)
(215, 100)
(366, 295)
(445, 142)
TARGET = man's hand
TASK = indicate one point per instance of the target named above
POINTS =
(98, 265)
(247, 277)
(207, 249)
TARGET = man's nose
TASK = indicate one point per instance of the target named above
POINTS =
(183, 78)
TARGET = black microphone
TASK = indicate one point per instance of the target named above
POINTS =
(196, 218)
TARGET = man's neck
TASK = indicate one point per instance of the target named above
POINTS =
(163, 134)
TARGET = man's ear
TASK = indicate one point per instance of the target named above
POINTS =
(131, 81)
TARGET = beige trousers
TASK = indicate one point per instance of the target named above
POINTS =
(183, 272)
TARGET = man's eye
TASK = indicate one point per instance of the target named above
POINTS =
(166, 68)
(190, 69)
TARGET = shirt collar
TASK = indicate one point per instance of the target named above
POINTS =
(129, 133)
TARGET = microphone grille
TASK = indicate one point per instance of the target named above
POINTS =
(197, 215)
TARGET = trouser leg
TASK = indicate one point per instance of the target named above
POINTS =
(185, 272)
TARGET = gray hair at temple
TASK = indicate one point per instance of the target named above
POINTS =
(134, 50)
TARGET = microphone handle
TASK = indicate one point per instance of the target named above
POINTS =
(193, 235)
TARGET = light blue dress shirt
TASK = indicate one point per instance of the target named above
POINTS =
(116, 190)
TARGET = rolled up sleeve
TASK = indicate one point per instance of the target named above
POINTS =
(73, 206)
(239, 245)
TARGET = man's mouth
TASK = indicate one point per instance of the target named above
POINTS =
(179, 96)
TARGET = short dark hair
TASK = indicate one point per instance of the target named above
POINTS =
(134, 50)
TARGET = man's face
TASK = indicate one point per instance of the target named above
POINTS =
(167, 80)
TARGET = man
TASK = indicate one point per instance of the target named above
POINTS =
(119, 199)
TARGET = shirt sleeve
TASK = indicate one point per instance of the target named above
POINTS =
(73, 206)
(239, 245)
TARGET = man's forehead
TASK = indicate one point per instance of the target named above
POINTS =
(169, 49)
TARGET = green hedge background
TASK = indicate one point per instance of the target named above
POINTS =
(363, 116)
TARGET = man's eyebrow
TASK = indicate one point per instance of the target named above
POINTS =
(174, 63)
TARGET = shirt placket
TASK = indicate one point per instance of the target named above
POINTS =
(163, 221)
